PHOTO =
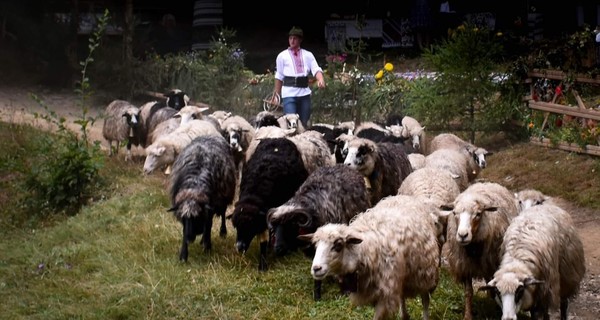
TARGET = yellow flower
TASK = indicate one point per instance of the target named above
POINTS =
(460, 28)
(379, 75)
(499, 34)
(475, 29)
(388, 67)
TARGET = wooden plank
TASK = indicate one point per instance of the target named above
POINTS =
(545, 142)
(562, 109)
(559, 75)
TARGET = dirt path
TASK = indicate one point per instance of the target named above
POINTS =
(16, 105)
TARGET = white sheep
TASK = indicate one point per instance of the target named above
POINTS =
(166, 148)
(120, 122)
(190, 112)
(220, 115)
(184, 115)
(481, 215)
(383, 257)
(451, 141)
(454, 161)
(542, 266)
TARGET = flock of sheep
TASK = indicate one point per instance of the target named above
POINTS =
(378, 207)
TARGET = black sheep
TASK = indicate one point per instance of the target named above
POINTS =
(202, 185)
(270, 177)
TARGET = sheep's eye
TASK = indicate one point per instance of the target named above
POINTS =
(539, 202)
(338, 246)
(519, 293)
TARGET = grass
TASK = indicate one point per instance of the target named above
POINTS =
(118, 257)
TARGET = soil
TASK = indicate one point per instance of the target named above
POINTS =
(17, 105)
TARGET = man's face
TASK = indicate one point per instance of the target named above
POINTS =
(294, 41)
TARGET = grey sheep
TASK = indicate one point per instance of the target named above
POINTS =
(542, 265)
(201, 186)
(239, 134)
(313, 149)
(384, 165)
(120, 125)
(331, 194)
(383, 257)
(481, 215)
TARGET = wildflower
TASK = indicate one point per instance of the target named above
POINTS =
(530, 126)
(475, 29)
(388, 67)
(379, 75)
(460, 28)
(499, 34)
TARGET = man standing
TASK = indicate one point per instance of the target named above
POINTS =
(293, 66)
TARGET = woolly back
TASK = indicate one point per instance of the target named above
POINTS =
(273, 174)
(205, 165)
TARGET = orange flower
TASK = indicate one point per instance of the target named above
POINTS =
(530, 125)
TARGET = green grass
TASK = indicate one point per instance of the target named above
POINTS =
(118, 257)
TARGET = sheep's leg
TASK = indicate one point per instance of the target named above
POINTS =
(317, 290)
(425, 302)
(223, 230)
(183, 253)
(468, 299)
(262, 259)
(206, 234)
(564, 306)
(110, 149)
(404, 310)
(381, 312)
(128, 154)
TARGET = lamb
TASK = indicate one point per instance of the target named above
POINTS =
(291, 121)
(269, 178)
(166, 148)
(202, 185)
(450, 141)
(453, 161)
(481, 215)
(331, 194)
(542, 265)
(239, 133)
(120, 123)
(384, 165)
(383, 257)
(411, 128)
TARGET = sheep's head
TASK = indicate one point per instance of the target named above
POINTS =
(132, 116)
(361, 155)
(286, 221)
(479, 155)
(177, 99)
(249, 221)
(332, 242)
(233, 134)
(513, 292)
(530, 197)
(156, 156)
(189, 113)
(468, 214)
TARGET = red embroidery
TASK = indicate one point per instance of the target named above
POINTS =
(297, 59)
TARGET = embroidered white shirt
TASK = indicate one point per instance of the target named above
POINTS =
(286, 67)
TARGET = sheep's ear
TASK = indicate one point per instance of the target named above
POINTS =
(489, 154)
(306, 237)
(352, 240)
(532, 281)
(203, 109)
(488, 288)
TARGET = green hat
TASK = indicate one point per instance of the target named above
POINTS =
(296, 32)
